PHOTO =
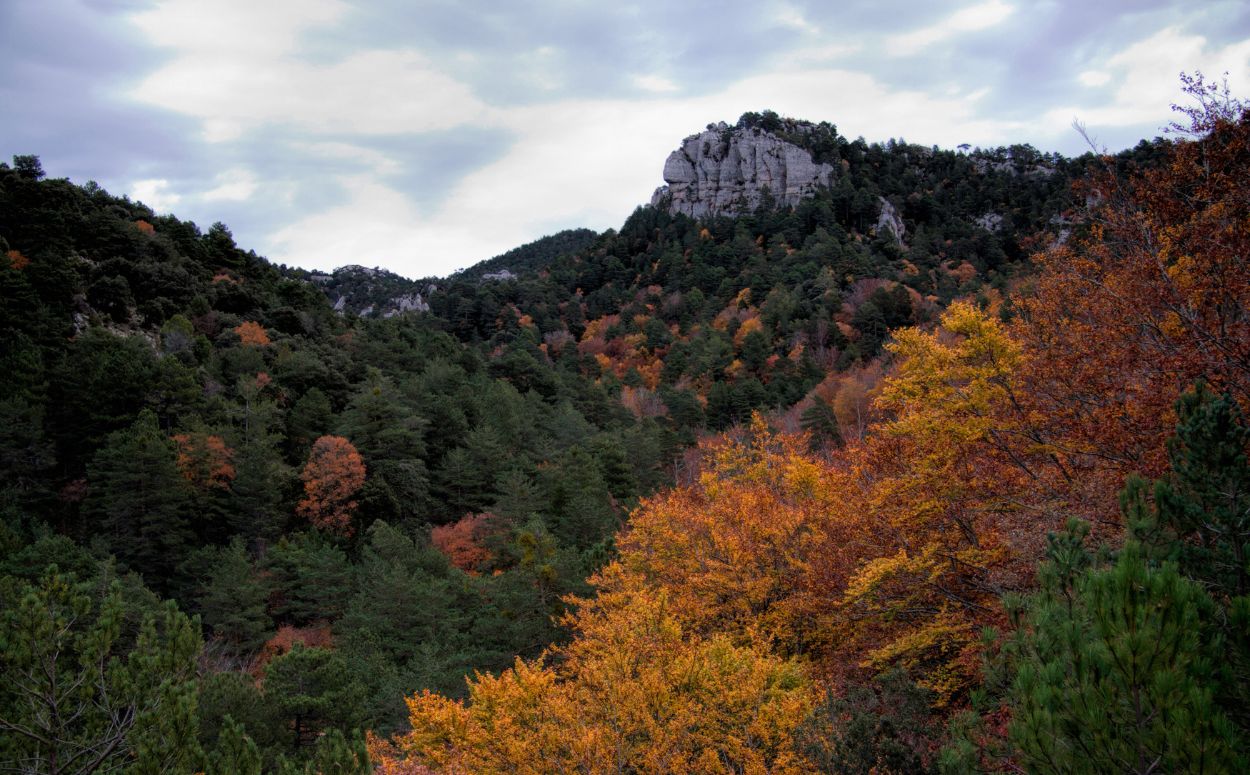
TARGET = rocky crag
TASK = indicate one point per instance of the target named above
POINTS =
(725, 170)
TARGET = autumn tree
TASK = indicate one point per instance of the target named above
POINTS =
(333, 476)
(634, 692)
(252, 334)
(1131, 310)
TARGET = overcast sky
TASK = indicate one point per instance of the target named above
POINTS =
(424, 136)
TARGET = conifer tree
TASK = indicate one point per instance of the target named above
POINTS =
(80, 695)
(138, 500)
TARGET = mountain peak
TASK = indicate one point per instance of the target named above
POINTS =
(725, 169)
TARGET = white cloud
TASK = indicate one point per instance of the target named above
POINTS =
(971, 19)
(789, 16)
(1094, 78)
(233, 185)
(657, 84)
(155, 193)
(236, 69)
(372, 92)
(235, 27)
(1145, 79)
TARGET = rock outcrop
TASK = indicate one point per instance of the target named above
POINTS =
(375, 292)
(726, 170)
(890, 220)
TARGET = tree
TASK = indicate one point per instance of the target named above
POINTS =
(139, 500)
(311, 690)
(820, 421)
(232, 600)
(28, 166)
(335, 472)
(1200, 517)
(1118, 672)
(80, 695)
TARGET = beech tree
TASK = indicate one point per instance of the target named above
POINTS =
(333, 476)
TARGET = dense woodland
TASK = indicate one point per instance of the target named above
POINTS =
(783, 492)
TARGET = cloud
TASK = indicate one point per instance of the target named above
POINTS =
(233, 185)
(1144, 78)
(236, 69)
(155, 193)
(657, 84)
(971, 19)
(1094, 78)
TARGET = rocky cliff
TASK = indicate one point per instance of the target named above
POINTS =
(725, 171)
(372, 292)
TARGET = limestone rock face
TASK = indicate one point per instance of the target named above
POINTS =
(889, 220)
(725, 171)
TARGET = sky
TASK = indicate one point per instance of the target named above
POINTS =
(423, 136)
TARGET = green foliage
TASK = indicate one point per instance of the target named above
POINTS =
(82, 694)
(235, 754)
(1201, 511)
(1119, 671)
(231, 600)
(138, 502)
(310, 691)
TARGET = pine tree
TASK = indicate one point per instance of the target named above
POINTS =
(1119, 669)
(79, 695)
(1201, 514)
(139, 501)
(235, 754)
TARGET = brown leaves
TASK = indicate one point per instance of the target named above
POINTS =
(463, 541)
(17, 260)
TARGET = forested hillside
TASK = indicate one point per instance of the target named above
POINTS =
(944, 468)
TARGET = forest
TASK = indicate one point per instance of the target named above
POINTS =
(786, 492)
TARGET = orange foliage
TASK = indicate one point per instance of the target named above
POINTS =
(897, 551)
(252, 334)
(17, 260)
(205, 460)
(749, 324)
(315, 635)
(462, 541)
(634, 692)
(1123, 320)
(335, 472)
(145, 227)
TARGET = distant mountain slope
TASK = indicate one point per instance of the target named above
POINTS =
(532, 256)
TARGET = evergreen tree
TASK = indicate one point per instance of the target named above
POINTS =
(78, 694)
(820, 421)
(1118, 671)
(139, 501)
(235, 754)
(1201, 510)
(232, 600)
(311, 691)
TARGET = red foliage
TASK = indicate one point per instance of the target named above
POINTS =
(462, 541)
(17, 260)
(333, 476)
(313, 636)
(205, 460)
